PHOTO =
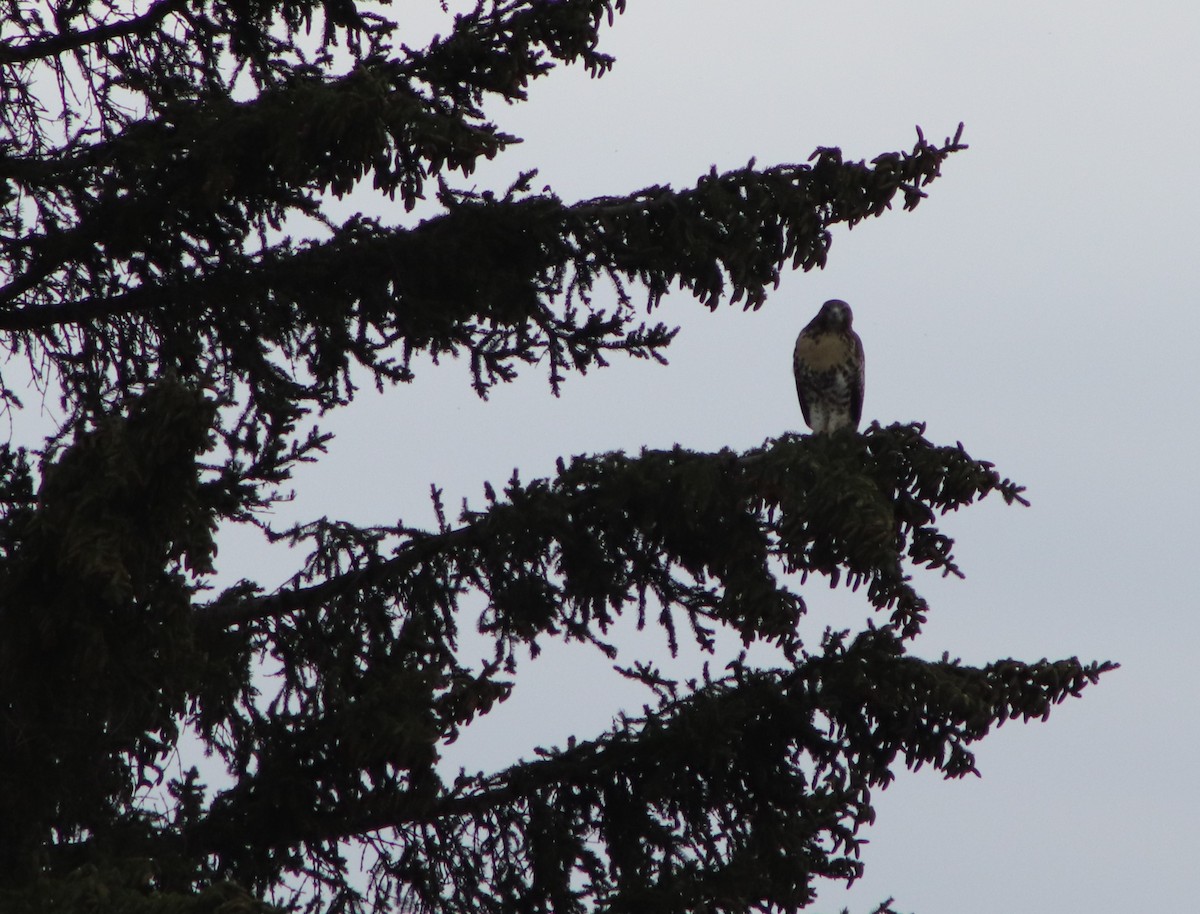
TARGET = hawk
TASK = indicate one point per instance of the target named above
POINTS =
(829, 370)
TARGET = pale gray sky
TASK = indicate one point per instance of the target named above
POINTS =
(1040, 307)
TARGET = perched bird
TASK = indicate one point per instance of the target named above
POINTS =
(829, 370)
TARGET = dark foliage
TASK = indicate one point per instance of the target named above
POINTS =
(171, 271)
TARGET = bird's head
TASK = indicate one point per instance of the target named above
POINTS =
(835, 314)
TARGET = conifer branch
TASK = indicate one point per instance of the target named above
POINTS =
(817, 748)
(140, 26)
(508, 281)
(733, 512)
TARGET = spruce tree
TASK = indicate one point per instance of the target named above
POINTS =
(175, 276)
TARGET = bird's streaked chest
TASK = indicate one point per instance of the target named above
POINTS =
(822, 351)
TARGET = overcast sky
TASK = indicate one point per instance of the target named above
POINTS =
(1039, 307)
